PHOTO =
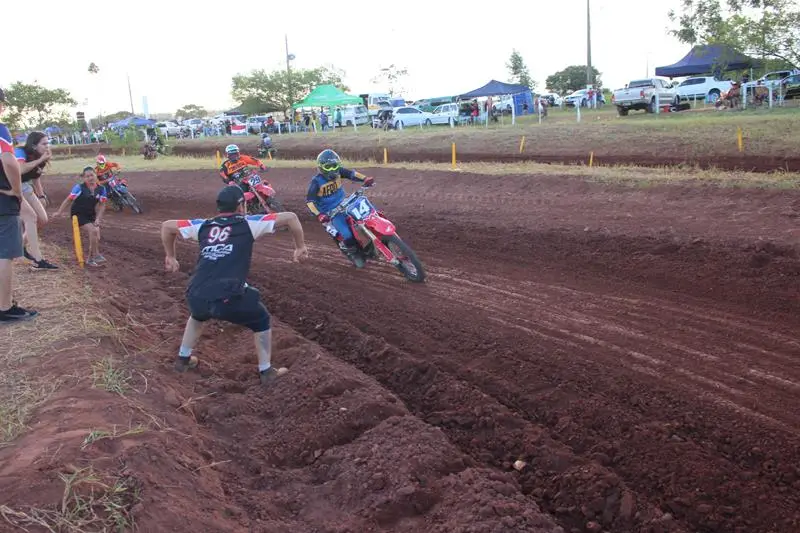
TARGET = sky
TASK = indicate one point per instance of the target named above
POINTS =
(177, 53)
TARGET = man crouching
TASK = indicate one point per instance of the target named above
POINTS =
(218, 289)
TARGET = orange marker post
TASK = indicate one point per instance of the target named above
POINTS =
(76, 238)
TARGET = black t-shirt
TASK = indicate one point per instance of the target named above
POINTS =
(226, 247)
(84, 200)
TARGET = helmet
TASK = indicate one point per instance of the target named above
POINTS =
(329, 163)
(232, 151)
(101, 160)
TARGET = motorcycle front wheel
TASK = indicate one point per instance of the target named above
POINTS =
(134, 203)
(275, 205)
(410, 266)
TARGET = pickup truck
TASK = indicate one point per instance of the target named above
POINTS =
(641, 94)
(704, 88)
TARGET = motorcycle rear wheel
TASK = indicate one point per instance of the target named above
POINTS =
(410, 265)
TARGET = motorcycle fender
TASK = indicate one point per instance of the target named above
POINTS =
(381, 226)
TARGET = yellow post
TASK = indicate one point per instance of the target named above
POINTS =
(591, 159)
(740, 138)
(219, 160)
(521, 144)
(454, 156)
(385, 156)
(76, 238)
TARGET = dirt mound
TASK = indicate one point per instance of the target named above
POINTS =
(311, 148)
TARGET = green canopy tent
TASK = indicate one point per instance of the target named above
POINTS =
(327, 96)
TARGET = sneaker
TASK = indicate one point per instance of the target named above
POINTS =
(182, 364)
(269, 375)
(27, 255)
(44, 264)
(100, 258)
(17, 314)
(92, 263)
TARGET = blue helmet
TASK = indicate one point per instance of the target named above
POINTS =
(329, 163)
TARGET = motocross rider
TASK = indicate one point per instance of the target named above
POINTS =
(325, 193)
(232, 168)
(104, 170)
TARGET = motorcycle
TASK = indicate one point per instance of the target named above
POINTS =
(376, 235)
(260, 199)
(120, 196)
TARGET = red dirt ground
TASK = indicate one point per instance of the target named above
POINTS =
(607, 156)
(636, 348)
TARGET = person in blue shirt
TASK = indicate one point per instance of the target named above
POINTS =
(325, 193)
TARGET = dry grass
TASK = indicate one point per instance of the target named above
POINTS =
(66, 323)
(115, 433)
(92, 502)
(626, 175)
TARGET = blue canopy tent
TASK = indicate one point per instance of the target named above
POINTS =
(132, 121)
(708, 59)
(520, 94)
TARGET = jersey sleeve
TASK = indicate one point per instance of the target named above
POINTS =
(6, 141)
(19, 153)
(190, 229)
(261, 225)
(350, 174)
(102, 196)
(75, 192)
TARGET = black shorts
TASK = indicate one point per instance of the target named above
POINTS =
(85, 218)
(244, 310)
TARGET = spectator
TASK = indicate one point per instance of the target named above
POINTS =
(84, 198)
(323, 120)
(337, 117)
(10, 225)
(33, 158)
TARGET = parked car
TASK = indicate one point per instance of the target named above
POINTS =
(194, 124)
(169, 128)
(582, 97)
(443, 114)
(641, 95)
(254, 123)
(705, 88)
(355, 114)
(790, 86)
(411, 116)
(773, 79)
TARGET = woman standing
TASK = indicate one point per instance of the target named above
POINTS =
(33, 157)
(84, 199)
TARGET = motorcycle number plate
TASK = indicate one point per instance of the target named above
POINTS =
(255, 180)
(360, 209)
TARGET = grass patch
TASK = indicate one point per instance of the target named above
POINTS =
(106, 375)
(67, 322)
(115, 433)
(91, 502)
(621, 175)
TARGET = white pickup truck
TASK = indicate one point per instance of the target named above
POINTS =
(641, 94)
(703, 88)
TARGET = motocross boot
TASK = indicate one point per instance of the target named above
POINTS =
(353, 253)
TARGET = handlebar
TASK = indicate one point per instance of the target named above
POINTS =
(342, 207)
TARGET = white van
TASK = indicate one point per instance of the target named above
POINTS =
(353, 114)
(444, 113)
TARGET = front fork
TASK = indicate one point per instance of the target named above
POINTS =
(361, 230)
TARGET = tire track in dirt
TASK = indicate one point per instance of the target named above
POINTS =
(646, 388)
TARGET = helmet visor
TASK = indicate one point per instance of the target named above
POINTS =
(330, 167)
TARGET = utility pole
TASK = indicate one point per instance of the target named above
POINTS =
(589, 72)
(130, 94)
(289, 57)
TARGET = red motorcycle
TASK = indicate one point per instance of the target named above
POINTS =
(260, 198)
(376, 235)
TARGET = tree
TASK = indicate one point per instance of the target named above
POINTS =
(519, 71)
(263, 92)
(93, 68)
(392, 76)
(768, 29)
(571, 79)
(190, 111)
(31, 105)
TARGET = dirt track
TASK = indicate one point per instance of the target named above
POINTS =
(636, 348)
